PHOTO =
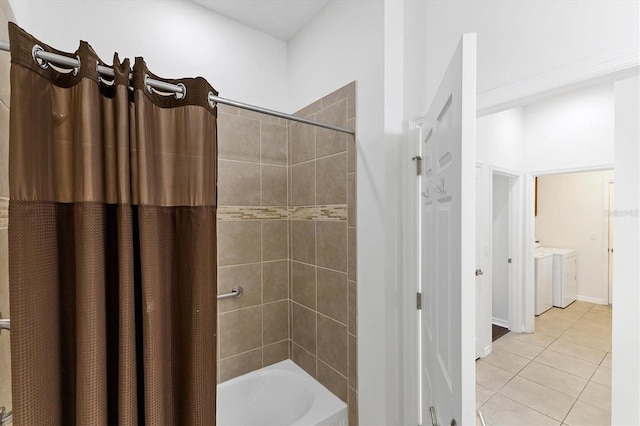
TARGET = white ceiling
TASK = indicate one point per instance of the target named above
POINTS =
(279, 18)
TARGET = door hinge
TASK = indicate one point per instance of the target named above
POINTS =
(419, 301)
(418, 161)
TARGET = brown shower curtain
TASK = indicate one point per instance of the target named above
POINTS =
(112, 244)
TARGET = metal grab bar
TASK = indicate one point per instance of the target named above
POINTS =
(236, 291)
(5, 324)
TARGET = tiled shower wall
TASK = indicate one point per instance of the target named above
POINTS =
(323, 252)
(253, 241)
(5, 349)
(286, 233)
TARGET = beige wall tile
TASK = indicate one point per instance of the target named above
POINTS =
(352, 255)
(332, 294)
(273, 144)
(303, 184)
(258, 116)
(238, 183)
(303, 327)
(306, 360)
(353, 307)
(303, 241)
(238, 242)
(240, 364)
(4, 150)
(303, 284)
(247, 276)
(353, 361)
(275, 281)
(274, 185)
(309, 109)
(238, 138)
(351, 150)
(331, 180)
(227, 109)
(353, 408)
(275, 322)
(275, 240)
(332, 380)
(332, 343)
(240, 331)
(351, 199)
(332, 245)
(329, 141)
(302, 143)
(346, 91)
(275, 353)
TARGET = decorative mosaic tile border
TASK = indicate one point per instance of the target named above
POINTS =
(325, 212)
(4, 212)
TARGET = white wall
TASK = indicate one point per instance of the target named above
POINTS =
(499, 139)
(176, 38)
(571, 214)
(500, 251)
(573, 130)
(625, 378)
(518, 40)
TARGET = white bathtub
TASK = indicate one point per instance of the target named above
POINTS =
(281, 394)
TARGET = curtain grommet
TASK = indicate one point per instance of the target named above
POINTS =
(149, 88)
(182, 94)
(212, 103)
(77, 69)
(42, 63)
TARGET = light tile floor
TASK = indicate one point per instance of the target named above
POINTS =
(559, 375)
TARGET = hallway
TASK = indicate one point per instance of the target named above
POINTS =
(559, 375)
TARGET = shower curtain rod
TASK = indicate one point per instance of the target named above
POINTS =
(174, 88)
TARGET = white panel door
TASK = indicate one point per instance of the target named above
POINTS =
(448, 244)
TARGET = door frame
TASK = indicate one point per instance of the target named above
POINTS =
(607, 232)
(517, 301)
(617, 66)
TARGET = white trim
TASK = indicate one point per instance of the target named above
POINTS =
(500, 322)
(595, 300)
(606, 237)
(610, 67)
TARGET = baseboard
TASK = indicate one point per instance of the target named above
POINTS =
(499, 322)
(595, 300)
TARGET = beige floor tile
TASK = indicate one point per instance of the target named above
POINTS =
(552, 327)
(540, 398)
(491, 377)
(587, 414)
(591, 340)
(482, 395)
(598, 395)
(597, 317)
(561, 314)
(603, 308)
(582, 305)
(555, 379)
(500, 410)
(567, 363)
(516, 347)
(506, 361)
(575, 350)
(538, 338)
(602, 376)
(598, 330)
(606, 362)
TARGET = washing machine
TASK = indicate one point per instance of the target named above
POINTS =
(543, 267)
(564, 275)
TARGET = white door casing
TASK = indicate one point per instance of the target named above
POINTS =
(448, 244)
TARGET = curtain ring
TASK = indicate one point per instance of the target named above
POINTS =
(149, 89)
(41, 62)
(212, 103)
(183, 94)
(77, 69)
